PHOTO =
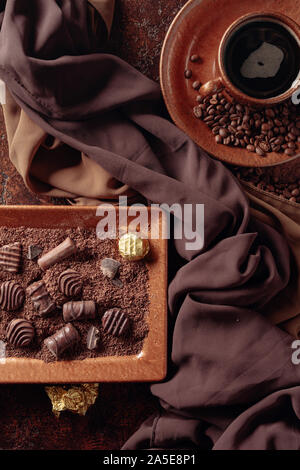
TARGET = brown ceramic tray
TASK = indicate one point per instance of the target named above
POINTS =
(198, 29)
(148, 365)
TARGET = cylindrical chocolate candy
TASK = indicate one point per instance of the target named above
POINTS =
(60, 252)
(20, 332)
(12, 295)
(41, 298)
(81, 310)
(62, 340)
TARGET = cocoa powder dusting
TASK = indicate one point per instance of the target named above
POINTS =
(132, 297)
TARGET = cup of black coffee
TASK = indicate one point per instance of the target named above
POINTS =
(259, 59)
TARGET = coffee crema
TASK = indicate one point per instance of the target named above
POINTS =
(262, 59)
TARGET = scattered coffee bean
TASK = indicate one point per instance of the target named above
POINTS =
(93, 338)
(196, 85)
(194, 58)
(34, 252)
(275, 129)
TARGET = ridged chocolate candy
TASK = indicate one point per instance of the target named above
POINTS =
(12, 295)
(20, 333)
(115, 322)
(63, 339)
(70, 283)
(81, 310)
(40, 297)
(10, 257)
(132, 247)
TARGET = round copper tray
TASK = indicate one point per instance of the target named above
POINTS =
(198, 29)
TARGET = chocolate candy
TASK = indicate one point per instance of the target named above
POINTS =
(34, 251)
(115, 322)
(20, 333)
(109, 267)
(40, 297)
(10, 257)
(93, 338)
(70, 283)
(62, 251)
(132, 247)
(81, 310)
(62, 340)
(12, 295)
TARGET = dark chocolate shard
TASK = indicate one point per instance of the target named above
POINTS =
(34, 252)
(117, 282)
(110, 267)
(63, 339)
(12, 295)
(93, 338)
(115, 322)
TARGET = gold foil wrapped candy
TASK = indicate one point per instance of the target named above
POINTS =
(132, 247)
(75, 398)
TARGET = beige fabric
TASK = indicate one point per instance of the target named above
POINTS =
(283, 215)
(57, 169)
(106, 9)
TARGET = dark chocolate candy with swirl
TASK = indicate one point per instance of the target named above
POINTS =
(62, 340)
(10, 257)
(81, 310)
(115, 322)
(12, 295)
(70, 283)
(20, 333)
(41, 298)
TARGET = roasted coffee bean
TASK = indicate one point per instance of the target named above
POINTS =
(271, 130)
(265, 147)
(188, 73)
(259, 151)
(196, 85)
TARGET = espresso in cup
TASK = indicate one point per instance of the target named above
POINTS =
(261, 58)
